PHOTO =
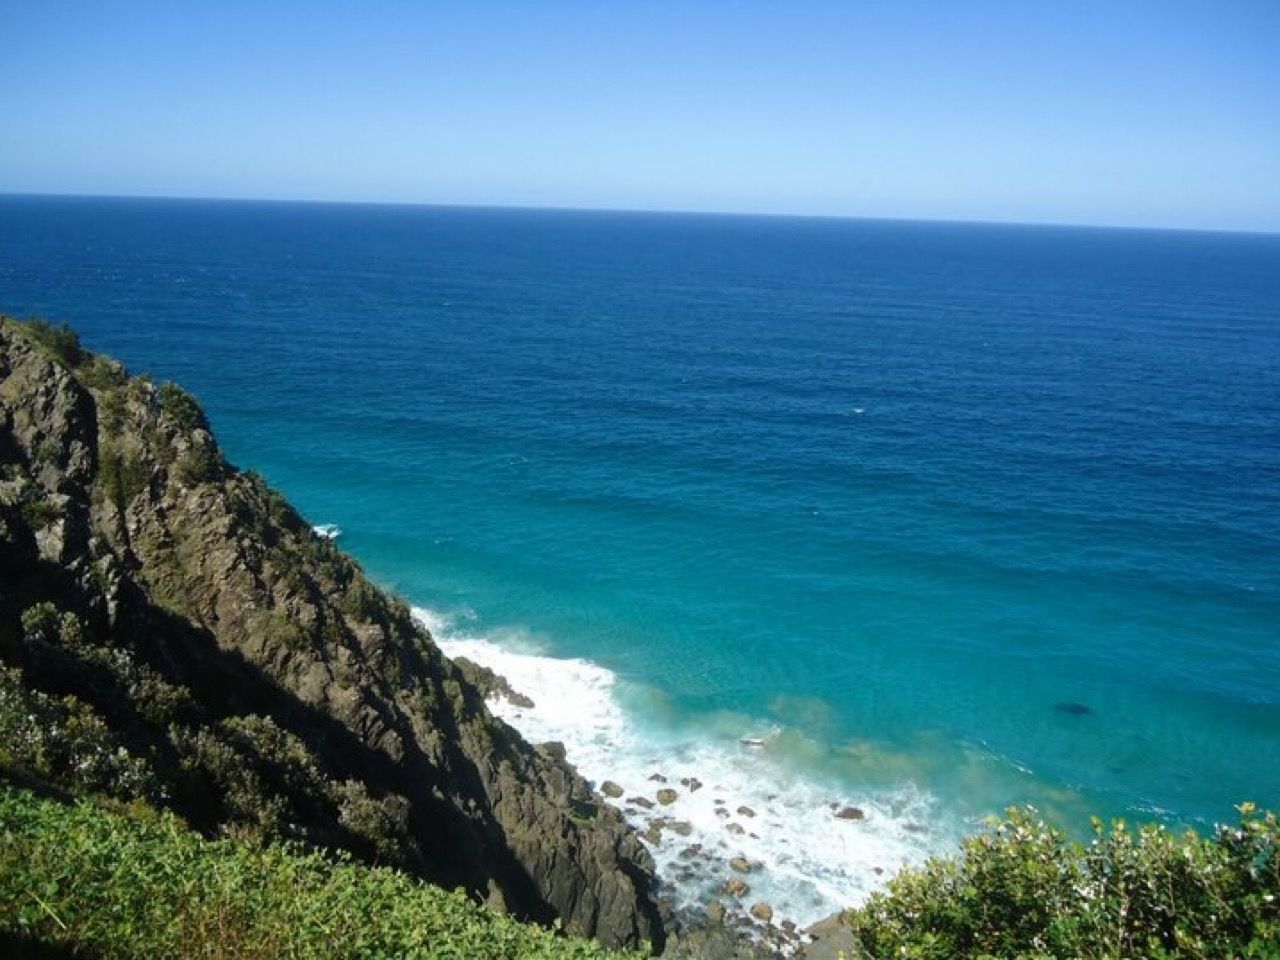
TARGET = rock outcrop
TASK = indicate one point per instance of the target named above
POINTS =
(172, 630)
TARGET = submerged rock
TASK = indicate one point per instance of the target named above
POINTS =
(1073, 709)
(850, 813)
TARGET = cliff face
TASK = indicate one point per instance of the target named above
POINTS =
(171, 630)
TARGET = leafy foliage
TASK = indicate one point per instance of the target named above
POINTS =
(117, 887)
(181, 407)
(123, 476)
(1022, 890)
(60, 341)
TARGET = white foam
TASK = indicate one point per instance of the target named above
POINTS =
(810, 863)
(330, 531)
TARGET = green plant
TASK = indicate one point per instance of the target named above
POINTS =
(123, 476)
(200, 465)
(114, 886)
(181, 407)
(60, 341)
(1022, 889)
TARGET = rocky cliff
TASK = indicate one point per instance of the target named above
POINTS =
(173, 632)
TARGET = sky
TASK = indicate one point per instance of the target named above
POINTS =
(1129, 113)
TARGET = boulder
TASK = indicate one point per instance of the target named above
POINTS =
(762, 911)
(611, 790)
(745, 811)
(667, 796)
(736, 887)
(850, 813)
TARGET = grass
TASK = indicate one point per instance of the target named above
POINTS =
(85, 879)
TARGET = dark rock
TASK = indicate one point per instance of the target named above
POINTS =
(611, 790)
(715, 912)
(657, 778)
(745, 811)
(553, 749)
(492, 686)
(643, 803)
(680, 827)
(736, 887)
(735, 828)
(850, 813)
(741, 864)
(666, 796)
(762, 911)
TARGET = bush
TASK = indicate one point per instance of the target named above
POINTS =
(103, 884)
(199, 466)
(181, 407)
(64, 741)
(1022, 890)
(60, 341)
(123, 477)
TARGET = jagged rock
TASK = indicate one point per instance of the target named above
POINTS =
(735, 828)
(745, 811)
(736, 887)
(611, 790)
(762, 911)
(681, 827)
(741, 864)
(666, 796)
(643, 803)
(349, 726)
(492, 686)
(657, 778)
(693, 784)
(553, 749)
(715, 912)
(850, 813)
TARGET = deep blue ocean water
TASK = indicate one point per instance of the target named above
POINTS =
(897, 492)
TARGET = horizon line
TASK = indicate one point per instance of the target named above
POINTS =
(553, 208)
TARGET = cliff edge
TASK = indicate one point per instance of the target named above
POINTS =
(172, 631)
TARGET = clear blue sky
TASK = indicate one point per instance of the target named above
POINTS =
(1144, 113)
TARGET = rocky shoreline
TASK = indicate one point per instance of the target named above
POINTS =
(733, 923)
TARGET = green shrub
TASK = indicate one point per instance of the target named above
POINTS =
(64, 741)
(123, 477)
(364, 601)
(102, 373)
(200, 465)
(107, 885)
(112, 411)
(38, 513)
(1022, 890)
(60, 341)
(180, 407)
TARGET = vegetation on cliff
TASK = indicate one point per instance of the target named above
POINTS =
(1022, 889)
(86, 880)
(174, 634)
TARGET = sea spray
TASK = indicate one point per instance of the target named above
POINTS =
(734, 807)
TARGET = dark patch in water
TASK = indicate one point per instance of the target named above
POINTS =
(1075, 709)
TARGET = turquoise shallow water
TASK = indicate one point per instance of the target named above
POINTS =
(902, 491)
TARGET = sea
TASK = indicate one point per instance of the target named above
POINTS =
(908, 521)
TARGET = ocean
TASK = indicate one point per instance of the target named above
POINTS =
(937, 517)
